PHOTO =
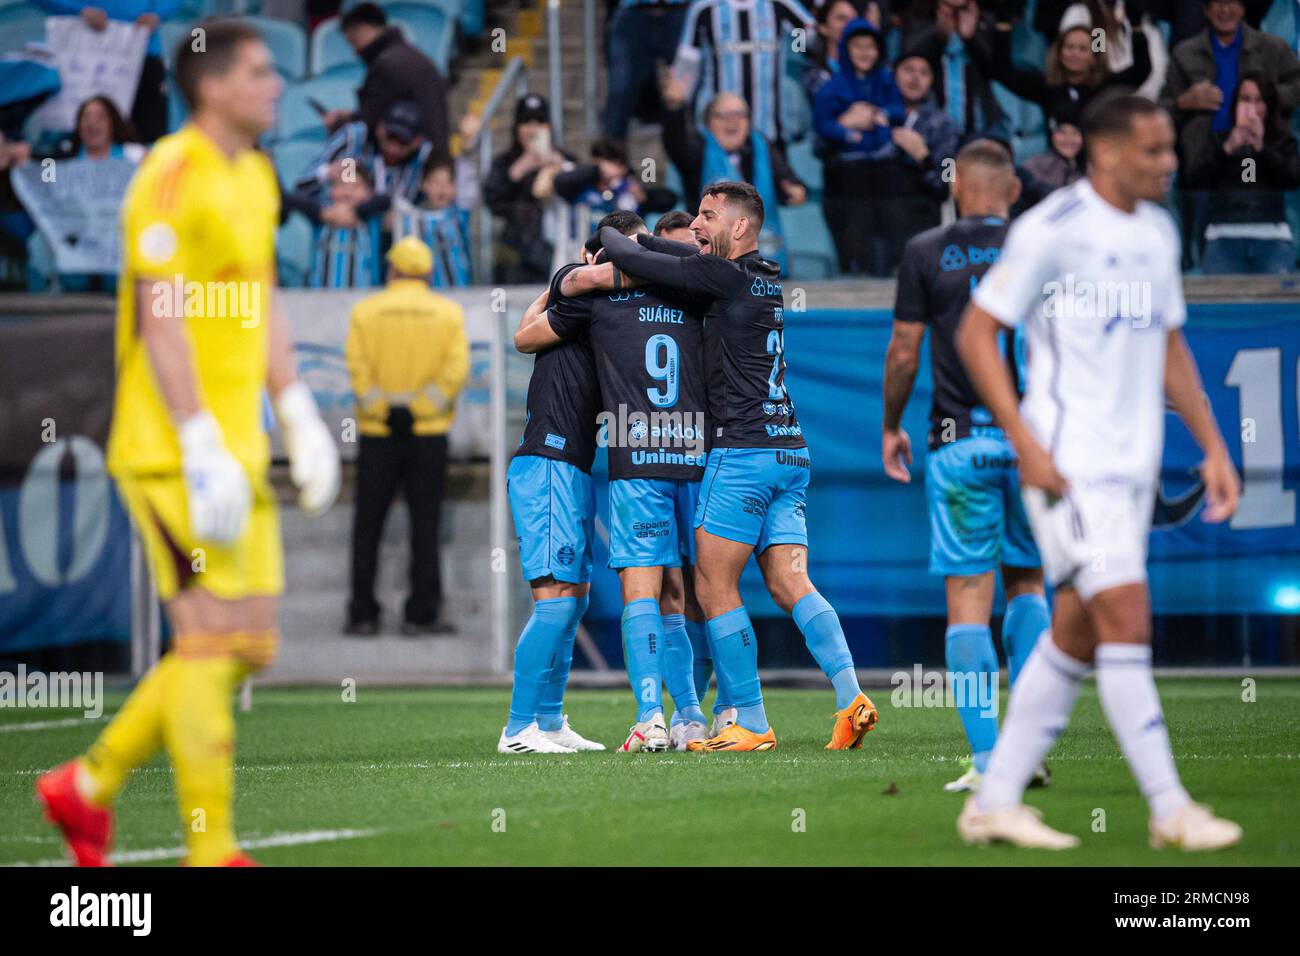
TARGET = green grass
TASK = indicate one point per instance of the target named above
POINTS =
(419, 768)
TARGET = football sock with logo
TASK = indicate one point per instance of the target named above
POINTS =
(1037, 712)
(735, 658)
(643, 631)
(821, 630)
(678, 663)
(1023, 624)
(199, 732)
(1132, 705)
(973, 669)
(702, 668)
(537, 646)
(131, 737)
(550, 709)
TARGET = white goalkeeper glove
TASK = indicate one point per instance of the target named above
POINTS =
(313, 456)
(215, 483)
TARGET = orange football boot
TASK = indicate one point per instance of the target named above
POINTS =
(736, 739)
(852, 722)
(87, 829)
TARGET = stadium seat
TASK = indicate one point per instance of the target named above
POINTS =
(299, 119)
(472, 17)
(170, 35)
(354, 71)
(805, 163)
(796, 112)
(328, 49)
(427, 28)
(809, 250)
(288, 45)
(293, 251)
(291, 158)
(20, 24)
(177, 111)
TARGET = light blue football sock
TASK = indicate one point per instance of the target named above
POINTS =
(643, 633)
(972, 670)
(1023, 624)
(678, 663)
(821, 630)
(735, 658)
(541, 636)
(550, 711)
(702, 668)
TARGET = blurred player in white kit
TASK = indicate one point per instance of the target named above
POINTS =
(1093, 271)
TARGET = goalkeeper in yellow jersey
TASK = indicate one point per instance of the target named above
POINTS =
(199, 341)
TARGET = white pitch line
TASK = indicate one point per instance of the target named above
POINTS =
(49, 724)
(275, 840)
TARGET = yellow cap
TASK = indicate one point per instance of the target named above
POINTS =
(411, 257)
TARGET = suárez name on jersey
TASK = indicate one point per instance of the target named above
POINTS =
(661, 313)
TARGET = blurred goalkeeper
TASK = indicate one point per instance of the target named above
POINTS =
(199, 340)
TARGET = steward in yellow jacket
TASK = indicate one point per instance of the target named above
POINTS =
(408, 357)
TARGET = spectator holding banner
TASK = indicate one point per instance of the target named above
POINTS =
(149, 112)
(408, 357)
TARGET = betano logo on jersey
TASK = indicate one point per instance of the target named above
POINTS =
(955, 258)
(669, 438)
(1122, 300)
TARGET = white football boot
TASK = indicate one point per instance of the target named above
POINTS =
(566, 736)
(723, 718)
(682, 734)
(1019, 825)
(1042, 777)
(530, 740)
(647, 736)
(1194, 827)
(968, 782)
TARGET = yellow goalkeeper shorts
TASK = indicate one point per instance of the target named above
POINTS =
(251, 566)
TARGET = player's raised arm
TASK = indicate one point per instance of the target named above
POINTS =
(1185, 393)
(977, 342)
(313, 456)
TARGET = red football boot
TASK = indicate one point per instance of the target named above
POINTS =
(87, 829)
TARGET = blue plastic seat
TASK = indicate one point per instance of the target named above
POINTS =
(288, 45)
(20, 24)
(298, 117)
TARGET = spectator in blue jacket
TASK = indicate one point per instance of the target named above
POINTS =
(852, 114)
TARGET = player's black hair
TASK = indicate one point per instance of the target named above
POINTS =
(624, 220)
(213, 56)
(437, 161)
(1112, 113)
(609, 149)
(986, 152)
(677, 219)
(367, 13)
(739, 194)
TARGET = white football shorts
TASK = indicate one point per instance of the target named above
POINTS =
(1094, 538)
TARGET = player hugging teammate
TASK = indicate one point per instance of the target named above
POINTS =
(752, 498)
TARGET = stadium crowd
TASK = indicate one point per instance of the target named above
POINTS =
(853, 108)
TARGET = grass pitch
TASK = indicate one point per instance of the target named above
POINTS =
(411, 777)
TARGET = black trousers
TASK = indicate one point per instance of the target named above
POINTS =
(418, 465)
(149, 111)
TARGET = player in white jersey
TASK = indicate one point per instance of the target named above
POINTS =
(1093, 271)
